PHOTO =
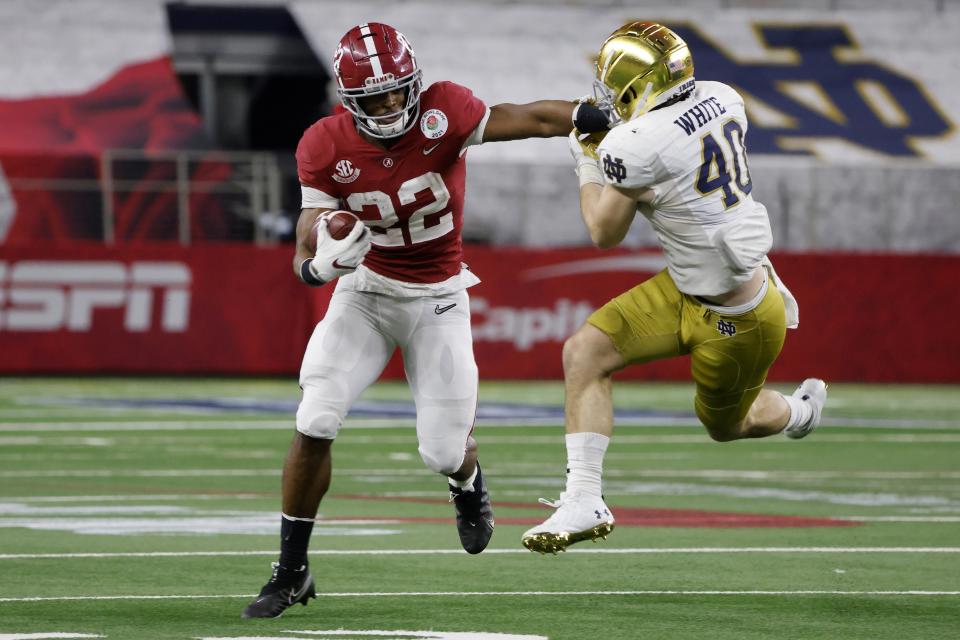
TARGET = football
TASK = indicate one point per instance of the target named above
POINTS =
(340, 223)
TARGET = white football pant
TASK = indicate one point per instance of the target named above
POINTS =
(351, 346)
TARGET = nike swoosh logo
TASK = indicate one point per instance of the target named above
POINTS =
(428, 150)
(337, 265)
(296, 595)
(438, 309)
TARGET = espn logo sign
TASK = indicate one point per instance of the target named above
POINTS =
(49, 295)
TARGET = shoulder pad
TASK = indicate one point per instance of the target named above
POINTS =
(316, 149)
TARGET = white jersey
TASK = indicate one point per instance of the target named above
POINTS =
(691, 154)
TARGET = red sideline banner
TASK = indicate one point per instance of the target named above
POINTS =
(237, 309)
(863, 317)
(158, 308)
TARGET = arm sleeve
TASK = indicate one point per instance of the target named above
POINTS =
(476, 136)
(311, 198)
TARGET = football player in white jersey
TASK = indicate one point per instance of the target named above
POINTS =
(676, 154)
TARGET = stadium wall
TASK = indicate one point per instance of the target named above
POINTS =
(239, 310)
(854, 151)
(853, 138)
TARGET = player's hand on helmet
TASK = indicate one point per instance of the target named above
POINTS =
(337, 257)
(584, 153)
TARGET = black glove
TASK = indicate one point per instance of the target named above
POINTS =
(589, 118)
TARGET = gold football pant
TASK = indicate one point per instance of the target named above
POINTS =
(730, 355)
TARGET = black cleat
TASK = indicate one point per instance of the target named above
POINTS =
(285, 588)
(474, 514)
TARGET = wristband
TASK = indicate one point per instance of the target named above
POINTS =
(306, 274)
(589, 173)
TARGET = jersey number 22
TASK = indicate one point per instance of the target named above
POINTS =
(422, 225)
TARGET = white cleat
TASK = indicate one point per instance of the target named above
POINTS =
(813, 391)
(578, 517)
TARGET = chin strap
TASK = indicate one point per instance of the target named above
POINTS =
(388, 130)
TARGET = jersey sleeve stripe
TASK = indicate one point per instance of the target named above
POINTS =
(476, 137)
(311, 198)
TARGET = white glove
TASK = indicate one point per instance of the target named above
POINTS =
(337, 257)
(587, 168)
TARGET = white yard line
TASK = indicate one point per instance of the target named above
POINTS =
(146, 497)
(270, 423)
(55, 635)
(461, 594)
(764, 474)
(148, 425)
(513, 473)
(927, 519)
(412, 552)
(219, 512)
(152, 473)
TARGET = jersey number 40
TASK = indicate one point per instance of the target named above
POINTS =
(714, 172)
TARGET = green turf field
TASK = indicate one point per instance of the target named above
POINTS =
(148, 508)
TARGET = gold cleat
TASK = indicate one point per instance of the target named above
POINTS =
(547, 542)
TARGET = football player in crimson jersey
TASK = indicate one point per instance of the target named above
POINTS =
(394, 154)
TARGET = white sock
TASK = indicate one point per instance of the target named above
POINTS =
(800, 411)
(464, 484)
(585, 451)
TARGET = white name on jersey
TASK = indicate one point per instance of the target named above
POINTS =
(703, 112)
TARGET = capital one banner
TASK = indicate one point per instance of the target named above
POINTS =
(219, 309)
(880, 317)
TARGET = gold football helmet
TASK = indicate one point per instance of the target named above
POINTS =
(640, 66)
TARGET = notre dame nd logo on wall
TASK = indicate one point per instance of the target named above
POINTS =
(820, 93)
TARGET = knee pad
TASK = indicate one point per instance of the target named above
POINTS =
(318, 419)
(443, 456)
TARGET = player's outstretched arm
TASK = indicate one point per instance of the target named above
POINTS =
(542, 119)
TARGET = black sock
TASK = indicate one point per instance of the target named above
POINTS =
(294, 540)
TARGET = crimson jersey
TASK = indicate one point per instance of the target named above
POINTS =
(410, 195)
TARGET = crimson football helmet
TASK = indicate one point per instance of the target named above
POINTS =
(374, 58)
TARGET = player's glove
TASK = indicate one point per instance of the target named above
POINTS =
(590, 118)
(585, 155)
(337, 257)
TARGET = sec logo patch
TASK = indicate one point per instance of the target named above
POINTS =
(345, 172)
(434, 123)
